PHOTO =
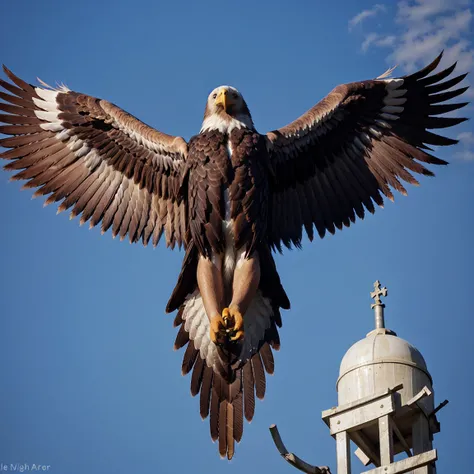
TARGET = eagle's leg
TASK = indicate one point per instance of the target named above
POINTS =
(211, 287)
(244, 287)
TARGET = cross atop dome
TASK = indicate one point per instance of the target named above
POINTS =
(377, 293)
(378, 306)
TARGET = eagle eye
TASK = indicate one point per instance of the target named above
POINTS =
(214, 96)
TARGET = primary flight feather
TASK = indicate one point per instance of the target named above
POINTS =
(230, 196)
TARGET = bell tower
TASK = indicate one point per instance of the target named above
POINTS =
(385, 406)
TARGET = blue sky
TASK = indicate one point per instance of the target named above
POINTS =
(89, 380)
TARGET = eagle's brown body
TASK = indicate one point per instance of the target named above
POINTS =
(230, 196)
(231, 188)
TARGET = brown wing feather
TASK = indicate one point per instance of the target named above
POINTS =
(97, 159)
(358, 142)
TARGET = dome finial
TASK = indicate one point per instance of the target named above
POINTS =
(378, 306)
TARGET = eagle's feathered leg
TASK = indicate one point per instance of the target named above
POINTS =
(211, 286)
(244, 287)
(212, 283)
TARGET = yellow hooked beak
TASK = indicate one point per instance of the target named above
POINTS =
(223, 99)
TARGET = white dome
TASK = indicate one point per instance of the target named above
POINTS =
(379, 362)
(382, 346)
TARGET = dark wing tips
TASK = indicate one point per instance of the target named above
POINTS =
(427, 69)
(440, 86)
(427, 96)
(444, 122)
(435, 88)
(445, 108)
(439, 76)
(438, 92)
(444, 96)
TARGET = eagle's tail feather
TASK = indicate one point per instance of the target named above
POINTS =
(186, 281)
(206, 388)
(228, 388)
(231, 401)
(228, 378)
(226, 415)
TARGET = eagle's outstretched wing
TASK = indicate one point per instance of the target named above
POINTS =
(97, 159)
(336, 158)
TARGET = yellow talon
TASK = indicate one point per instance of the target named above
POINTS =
(226, 315)
(234, 323)
(217, 329)
(237, 336)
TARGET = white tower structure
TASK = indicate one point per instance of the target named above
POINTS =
(385, 406)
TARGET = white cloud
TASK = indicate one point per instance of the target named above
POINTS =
(465, 155)
(377, 40)
(369, 40)
(386, 41)
(467, 138)
(363, 15)
(423, 28)
(426, 36)
(417, 32)
(466, 143)
(429, 26)
(419, 10)
(457, 24)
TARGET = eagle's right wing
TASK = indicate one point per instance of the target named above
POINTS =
(353, 146)
(97, 159)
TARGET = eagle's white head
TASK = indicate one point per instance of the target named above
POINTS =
(225, 110)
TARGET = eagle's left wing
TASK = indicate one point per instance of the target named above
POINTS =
(357, 142)
(97, 159)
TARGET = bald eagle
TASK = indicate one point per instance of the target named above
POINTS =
(230, 196)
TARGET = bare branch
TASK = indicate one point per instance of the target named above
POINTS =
(294, 460)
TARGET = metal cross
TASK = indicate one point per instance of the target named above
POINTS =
(375, 295)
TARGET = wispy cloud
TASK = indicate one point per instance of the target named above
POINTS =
(466, 145)
(427, 36)
(377, 40)
(420, 10)
(465, 155)
(416, 33)
(421, 29)
(467, 138)
(428, 26)
(363, 15)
